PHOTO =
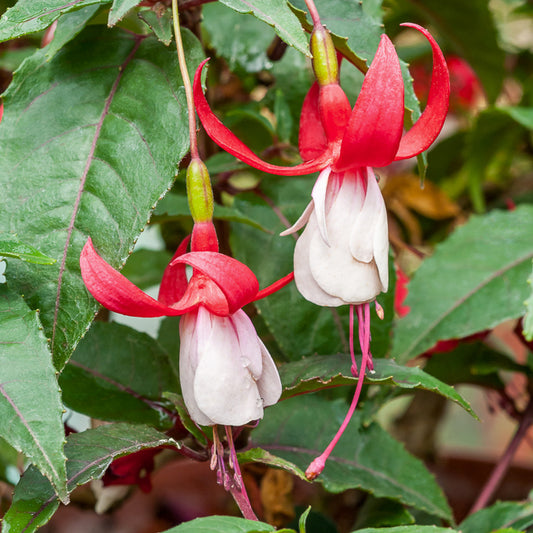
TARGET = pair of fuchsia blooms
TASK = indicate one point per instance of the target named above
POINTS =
(226, 373)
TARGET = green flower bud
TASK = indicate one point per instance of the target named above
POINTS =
(199, 191)
(324, 61)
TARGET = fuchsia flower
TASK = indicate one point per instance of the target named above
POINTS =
(227, 375)
(342, 255)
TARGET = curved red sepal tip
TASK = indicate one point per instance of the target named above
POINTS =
(235, 280)
(174, 281)
(233, 145)
(428, 126)
(114, 291)
(276, 286)
(375, 128)
(312, 141)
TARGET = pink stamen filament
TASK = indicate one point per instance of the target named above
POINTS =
(318, 464)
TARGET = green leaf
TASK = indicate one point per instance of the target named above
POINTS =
(366, 457)
(89, 454)
(160, 23)
(29, 16)
(277, 14)
(68, 26)
(10, 246)
(298, 326)
(491, 143)
(258, 455)
(119, 9)
(522, 115)
(517, 515)
(528, 318)
(475, 280)
(409, 529)
(380, 512)
(477, 43)
(119, 374)
(243, 47)
(320, 371)
(221, 524)
(30, 402)
(103, 165)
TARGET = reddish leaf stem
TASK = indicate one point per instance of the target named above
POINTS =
(503, 464)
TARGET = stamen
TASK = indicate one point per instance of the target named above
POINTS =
(352, 354)
(363, 315)
(379, 311)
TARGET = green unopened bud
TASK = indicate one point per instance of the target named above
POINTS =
(199, 191)
(325, 62)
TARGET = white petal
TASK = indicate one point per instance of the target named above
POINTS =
(269, 384)
(250, 348)
(319, 199)
(334, 268)
(301, 222)
(371, 220)
(305, 282)
(224, 389)
(189, 338)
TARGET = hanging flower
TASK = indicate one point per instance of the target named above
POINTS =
(342, 255)
(227, 375)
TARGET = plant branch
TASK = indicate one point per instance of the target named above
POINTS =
(501, 468)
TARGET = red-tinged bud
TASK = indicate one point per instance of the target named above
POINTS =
(324, 61)
(199, 191)
(335, 111)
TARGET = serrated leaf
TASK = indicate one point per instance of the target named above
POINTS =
(244, 47)
(366, 457)
(475, 280)
(119, 9)
(517, 515)
(29, 16)
(477, 43)
(89, 454)
(277, 14)
(10, 246)
(528, 318)
(30, 402)
(222, 524)
(160, 23)
(119, 374)
(68, 26)
(103, 165)
(320, 371)
(299, 327)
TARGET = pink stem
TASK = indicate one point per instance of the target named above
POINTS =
(238, 489)
(352, 354)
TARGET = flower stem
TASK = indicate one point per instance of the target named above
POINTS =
(314, 13)
(238, 489)
(501, 468)
(186, 81)
(318, 464)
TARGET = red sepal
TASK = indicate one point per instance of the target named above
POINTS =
(235, 280)
(174, 282)
(312, 141)
(428, 126)
(373, 133)
(114, 291)
(276, 286)
(231, 144)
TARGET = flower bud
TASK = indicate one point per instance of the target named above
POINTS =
(199, 191)
(325, 64)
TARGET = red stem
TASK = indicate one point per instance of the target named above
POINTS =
(501, 468)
